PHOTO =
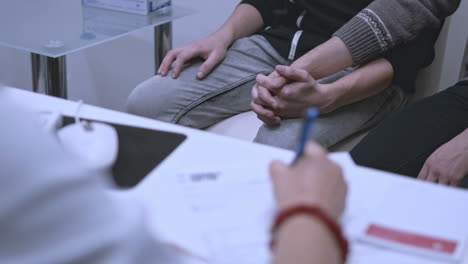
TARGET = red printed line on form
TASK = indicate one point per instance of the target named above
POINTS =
(411, 239)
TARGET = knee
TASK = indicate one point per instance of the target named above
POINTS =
(153, 98)
(282, 136)
(287, 134)
(138, 102)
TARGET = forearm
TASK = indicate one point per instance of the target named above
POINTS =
(244, 21)
(326, 59)
(364, 82)
(304, 240)
(357, 41)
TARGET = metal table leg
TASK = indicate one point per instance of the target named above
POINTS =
(49, 75)
(162, 42)
(36, 70)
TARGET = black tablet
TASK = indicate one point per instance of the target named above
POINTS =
(140, 151)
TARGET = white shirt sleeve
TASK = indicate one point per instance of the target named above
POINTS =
(54, 211)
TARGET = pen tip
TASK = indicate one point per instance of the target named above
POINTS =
(313, 112)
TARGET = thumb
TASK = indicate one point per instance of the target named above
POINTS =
(315, 150)
(278, 170)
(213, 59)
(293, 74)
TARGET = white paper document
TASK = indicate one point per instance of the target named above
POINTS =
(230, 210)
(233, 210)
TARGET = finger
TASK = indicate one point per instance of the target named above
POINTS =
(271, 83)
(277, 169)
(432, 176)
(265, 97)
(260, 110)
(291, 73)
(443, 180)
(267, 116)
(455, 182)
(256, 96)
(179, 65)
(167, 62)
(182, 58)
(209, 64)
(291, 91)
(424, 172)
(314, 149)
(254, 92)
(313, 152)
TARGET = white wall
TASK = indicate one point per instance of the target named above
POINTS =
(448, 62)
(104, 75)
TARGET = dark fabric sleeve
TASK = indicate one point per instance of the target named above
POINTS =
(402, 143)
(408, 59)
(265, 7)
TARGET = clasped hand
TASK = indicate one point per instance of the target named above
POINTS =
(287, 93)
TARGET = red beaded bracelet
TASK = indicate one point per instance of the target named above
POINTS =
(331, 224)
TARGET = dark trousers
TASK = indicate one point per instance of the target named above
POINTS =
(404, 141)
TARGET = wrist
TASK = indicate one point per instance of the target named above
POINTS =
(326, 59)
(224, 36)
(329, 95)
(307, 64)
(299, 221)
(319, 202)
(303, 217)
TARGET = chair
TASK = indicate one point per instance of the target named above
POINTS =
(442, 73)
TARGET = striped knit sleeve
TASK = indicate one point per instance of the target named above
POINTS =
(385, 24)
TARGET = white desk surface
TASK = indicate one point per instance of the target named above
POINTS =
(201, 149)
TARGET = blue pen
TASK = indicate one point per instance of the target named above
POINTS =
(311, 115)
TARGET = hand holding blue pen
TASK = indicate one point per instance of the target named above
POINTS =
(309, 120)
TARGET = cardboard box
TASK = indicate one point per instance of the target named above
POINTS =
(141, 7)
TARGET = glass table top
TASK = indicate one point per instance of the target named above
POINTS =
(59, 27)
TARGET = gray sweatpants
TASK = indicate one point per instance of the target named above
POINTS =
(227, 91)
